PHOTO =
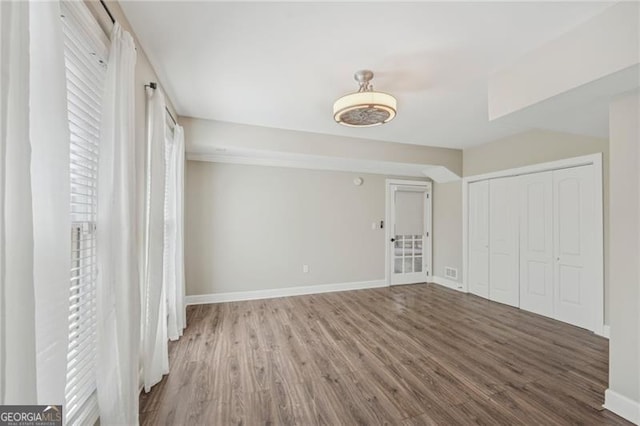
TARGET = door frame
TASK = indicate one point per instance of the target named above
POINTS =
(598, 261)
(427, 246)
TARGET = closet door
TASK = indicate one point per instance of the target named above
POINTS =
(503, 241)
(479, 238)
(536, 243)
(574, 218)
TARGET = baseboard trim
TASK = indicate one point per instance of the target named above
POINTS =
(238, 296)
(622, 406)
(446, 282)
(605, 331)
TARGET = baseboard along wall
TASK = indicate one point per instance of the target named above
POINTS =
(622, 406)
(237, 296)
(446, 282)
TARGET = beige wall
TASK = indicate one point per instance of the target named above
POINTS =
(254, 227)
(202, 136)
(541, 146)
(447, 228)
(537, 146)
(624, 346)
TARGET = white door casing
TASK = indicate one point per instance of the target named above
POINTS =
(574, 213)
(409, 232)
(536, 243)
(503, 241)
(478, 277)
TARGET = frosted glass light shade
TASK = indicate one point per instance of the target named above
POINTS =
(364, 109)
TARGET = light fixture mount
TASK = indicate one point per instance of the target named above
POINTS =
(366, 107)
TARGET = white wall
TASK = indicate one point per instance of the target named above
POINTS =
(602, 46)
(624, 276)
(254, 227)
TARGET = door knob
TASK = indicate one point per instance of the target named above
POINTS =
(393, 239)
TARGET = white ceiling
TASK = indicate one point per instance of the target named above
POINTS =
(283, 64)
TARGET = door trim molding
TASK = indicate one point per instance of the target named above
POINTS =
(387, 217)
(585, 160)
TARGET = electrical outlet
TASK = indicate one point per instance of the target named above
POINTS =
(305, 269)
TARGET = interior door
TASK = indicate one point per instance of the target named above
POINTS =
(479, 238)
(536, 243)
(504, 280)
(574, 217)
(410, 216)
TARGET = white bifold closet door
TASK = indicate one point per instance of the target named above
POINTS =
(574, 243)
(536, 243)
(503, 241)
(479, 238)
(532, 243)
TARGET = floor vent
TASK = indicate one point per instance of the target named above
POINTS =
(451, 273)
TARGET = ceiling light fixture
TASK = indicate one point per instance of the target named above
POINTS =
(364, 108)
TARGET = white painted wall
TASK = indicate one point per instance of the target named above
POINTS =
(624, 238)
(602, 46)
(254, 227)
(540, 146)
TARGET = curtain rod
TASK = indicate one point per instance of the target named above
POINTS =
(104, 5)
(153, 85)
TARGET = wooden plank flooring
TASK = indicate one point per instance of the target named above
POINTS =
(409, 355)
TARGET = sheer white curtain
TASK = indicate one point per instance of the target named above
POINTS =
(155, 356)
(17, 335)
(118, 303)
(174, 229)
(49, 127)
(34, 204)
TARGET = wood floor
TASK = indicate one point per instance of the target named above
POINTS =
(409, 355)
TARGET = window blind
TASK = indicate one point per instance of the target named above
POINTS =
(86, 52)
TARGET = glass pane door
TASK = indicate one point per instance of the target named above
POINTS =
(408, 234)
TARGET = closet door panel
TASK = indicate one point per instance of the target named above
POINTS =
(479, 238)
(536, 243)
(574, 218)
(503, 241)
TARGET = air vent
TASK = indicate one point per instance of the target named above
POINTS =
(451, 273)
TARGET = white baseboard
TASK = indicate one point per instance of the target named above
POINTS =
(605, 331)
(237, 296)
(622, 406)
(447, 283)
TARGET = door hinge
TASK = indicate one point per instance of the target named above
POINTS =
(427, 234)
(428, 195)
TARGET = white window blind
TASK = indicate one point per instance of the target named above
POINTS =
(86, 52)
